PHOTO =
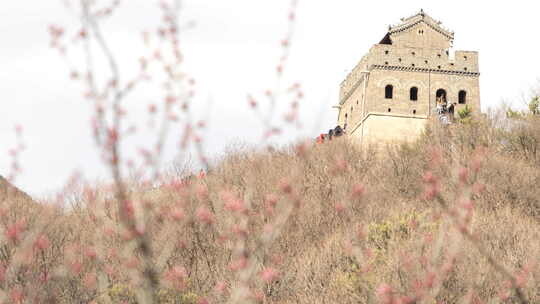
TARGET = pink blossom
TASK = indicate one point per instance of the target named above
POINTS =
(220, 287)
(521, 277)
(235, 205)
(75, 267)
(340, 207)
(476, 164)
(177, 277)
(13, 232)
(269, 274)
(285, 186)
(90, 253)
(252, 102)
(202, 190)
(385, 293)
(238, 264)
(467, 204)
(348, 247)
(430, 280)
(83, 34)
(177, 272)
(74, 75)
(431, 192)
(258, 296)
(268, 228)
(204, 215)
(368, 252)
(240, 231)
(341, 165)
(178, 214)
(2, 273)
(357, 190)
(16, 295)
(463, 175)
(429, 177)
(112, 136)
(203, 301)
(56, 31)
(90, 280)
(133, 263)
(232, 202)
(128, 208)
(42, 242)
(292, 16)
(271, 199)
(478, 188)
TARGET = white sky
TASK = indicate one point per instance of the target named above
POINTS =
(233, 51)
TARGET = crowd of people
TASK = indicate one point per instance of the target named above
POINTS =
(335, 132)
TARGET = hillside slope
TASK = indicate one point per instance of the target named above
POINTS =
(454, 217)
(8, 191)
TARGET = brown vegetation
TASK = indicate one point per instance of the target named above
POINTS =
(328, 223)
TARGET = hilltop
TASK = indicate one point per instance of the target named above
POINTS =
(8, 191)
(316, 223)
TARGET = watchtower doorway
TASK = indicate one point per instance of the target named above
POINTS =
(440, 95)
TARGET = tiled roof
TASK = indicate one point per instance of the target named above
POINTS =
(407, 23)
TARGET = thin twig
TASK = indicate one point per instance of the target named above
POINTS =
(481, 249)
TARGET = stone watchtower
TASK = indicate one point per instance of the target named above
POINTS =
(392, 91)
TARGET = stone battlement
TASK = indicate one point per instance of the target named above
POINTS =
(389, 57)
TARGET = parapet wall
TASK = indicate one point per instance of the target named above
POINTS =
(353, 79)
(463, 63)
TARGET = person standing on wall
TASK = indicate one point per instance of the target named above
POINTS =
(451, 109)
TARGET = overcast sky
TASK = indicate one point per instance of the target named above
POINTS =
(232, 52)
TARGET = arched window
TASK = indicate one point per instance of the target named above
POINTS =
(441, 94)
(462, 97)
(414, 94)
(389, 92)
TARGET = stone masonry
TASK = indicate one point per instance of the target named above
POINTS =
(392, 91)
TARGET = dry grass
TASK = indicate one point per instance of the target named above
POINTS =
(327, 223)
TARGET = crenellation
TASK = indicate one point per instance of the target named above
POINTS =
(428, 59)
